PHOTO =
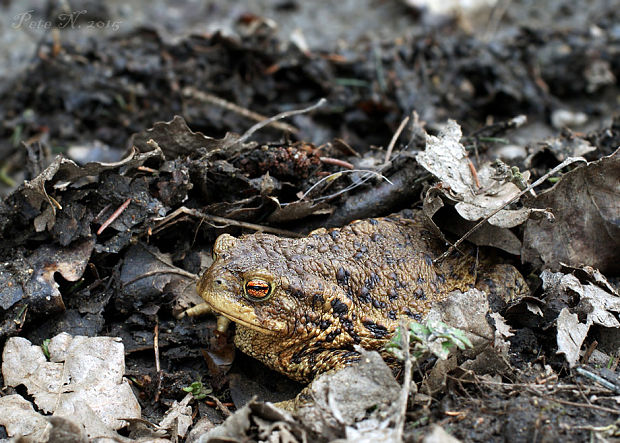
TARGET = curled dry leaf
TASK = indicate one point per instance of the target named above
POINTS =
(60, 173)
(586, 231)
(446, 158)
(176, 139)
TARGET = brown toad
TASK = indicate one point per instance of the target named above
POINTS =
(301, 305)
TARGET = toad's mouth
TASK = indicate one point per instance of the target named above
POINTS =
(248, 324)
(246, 317)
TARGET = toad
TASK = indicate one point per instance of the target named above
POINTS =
(301, 305)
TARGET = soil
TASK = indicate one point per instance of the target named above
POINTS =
(146, 102)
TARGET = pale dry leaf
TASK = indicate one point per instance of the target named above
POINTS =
(534, 309)
(342, 398)
(178, 418)
(19, 418)
(465, 311)
(571, 334)
(501, 327)
(502, 332)
(595, 304)
(84, 379)
(439, 435)
(447, 159)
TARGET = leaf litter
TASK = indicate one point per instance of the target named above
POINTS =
(113, 247)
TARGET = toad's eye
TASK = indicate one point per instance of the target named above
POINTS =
(257, 289)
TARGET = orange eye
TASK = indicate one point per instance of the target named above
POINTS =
(257, 289)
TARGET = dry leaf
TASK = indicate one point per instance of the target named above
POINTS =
(586, 231)
(83, 379)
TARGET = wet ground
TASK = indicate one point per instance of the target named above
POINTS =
(108, 240)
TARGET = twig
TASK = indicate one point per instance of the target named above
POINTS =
(336, 162)
(273, 119)
(227, 221)
(582, 405)
(177, 271)
(532, 386)
(220, 405)
(212, 404)
(498, 128)
(404, 391)
(474, 173)
(251, 115)
(598, 379)
(338, 174)
(565, 163)
(588, 353)
(157, 363)
(390, 147)
(114, 216)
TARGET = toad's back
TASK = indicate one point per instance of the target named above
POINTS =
(302, 304)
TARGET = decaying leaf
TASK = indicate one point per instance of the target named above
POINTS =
(258, 422)
(178, 418)
(176, 139)
(468, 312)
(342, 399)
(83, 380)
(446, 158)
(595, 304)
(61, 173)
(31, 279)
(147, 273)
(465, 311)
(586, 207)
(486, 235)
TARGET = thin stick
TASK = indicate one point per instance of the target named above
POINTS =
(114, 216)
(404, 391)
(336, 175)
(474, 173)
(565, 163)
(177, 271)
(336, 162)
(390, 147)
(533, 386)
(600, 380)
(157, 363)
(251, 115)
(582, 405)
(220, 405)
(226, 221)
(273, 119)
